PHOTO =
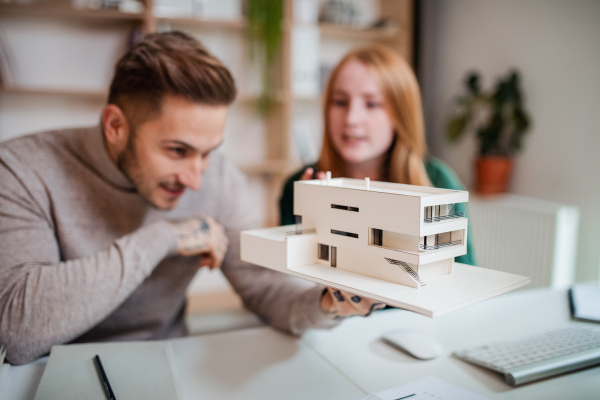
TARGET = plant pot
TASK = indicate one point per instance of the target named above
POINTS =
(492, 174)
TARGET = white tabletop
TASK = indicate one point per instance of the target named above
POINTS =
(356, 349)
(350, 360)
(257, 363)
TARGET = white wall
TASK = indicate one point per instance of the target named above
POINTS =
(556, 46)
(54, 55)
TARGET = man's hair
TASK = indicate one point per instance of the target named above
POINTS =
(171, 63)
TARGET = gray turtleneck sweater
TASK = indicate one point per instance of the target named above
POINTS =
(83, 257)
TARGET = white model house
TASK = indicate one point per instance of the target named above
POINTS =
(399, 233)
(386, 241)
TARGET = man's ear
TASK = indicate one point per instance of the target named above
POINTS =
(116, 128)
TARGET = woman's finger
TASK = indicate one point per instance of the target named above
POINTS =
(307, 175)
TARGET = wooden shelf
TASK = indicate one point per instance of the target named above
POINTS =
(206, 23)
(243, 98)
(91, 94)
(348, 32)
(64, 10)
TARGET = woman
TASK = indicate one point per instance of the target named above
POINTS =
(374, 128)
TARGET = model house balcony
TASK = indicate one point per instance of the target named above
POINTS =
(441, 213)
(400, 242)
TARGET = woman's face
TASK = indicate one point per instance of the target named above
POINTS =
(360, 126)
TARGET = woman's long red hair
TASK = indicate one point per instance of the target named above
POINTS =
(402, 97)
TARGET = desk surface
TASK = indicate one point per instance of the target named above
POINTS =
(350, 360)
(356, 349)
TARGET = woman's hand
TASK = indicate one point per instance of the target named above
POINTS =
(308, 174)
(340, 303)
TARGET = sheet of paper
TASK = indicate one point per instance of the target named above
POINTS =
(428, 388)
(4, 381)
(135, 370)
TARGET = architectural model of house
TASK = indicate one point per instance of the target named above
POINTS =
(386, 241)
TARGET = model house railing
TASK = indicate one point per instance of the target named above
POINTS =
(458, 214)
(300, 232)
(440, 246)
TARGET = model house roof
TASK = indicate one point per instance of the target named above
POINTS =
(381, 187)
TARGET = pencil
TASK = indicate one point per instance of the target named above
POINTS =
(104, 379)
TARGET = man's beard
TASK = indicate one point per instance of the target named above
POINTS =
(128, 163)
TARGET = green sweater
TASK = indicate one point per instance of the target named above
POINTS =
(440, 175)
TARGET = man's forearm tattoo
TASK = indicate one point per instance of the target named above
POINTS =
(193, 235)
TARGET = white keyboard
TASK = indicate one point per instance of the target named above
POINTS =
(539, 356)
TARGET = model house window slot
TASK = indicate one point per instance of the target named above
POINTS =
(393, 240)
(377, 235)
(323, 251)
(346, 208)
(334, 256)
(342, 233)
(441, 213)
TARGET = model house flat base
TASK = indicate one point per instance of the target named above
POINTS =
(389, 242)
(442, 294)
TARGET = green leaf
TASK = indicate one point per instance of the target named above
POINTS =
(264, 34)
(456, 127)
(473, 83)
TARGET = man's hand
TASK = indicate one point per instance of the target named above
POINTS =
(344, 304)
(201, 235)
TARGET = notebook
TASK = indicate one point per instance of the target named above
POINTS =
(585, 301)
(135, 370)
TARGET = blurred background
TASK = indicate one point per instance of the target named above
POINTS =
(57, 59)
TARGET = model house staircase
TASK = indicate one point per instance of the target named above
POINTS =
(408, 270)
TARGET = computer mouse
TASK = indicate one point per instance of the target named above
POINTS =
(418, 344)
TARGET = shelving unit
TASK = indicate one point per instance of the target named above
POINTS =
(375, 34)
(96, 95)
(63, 9)
(278, 159)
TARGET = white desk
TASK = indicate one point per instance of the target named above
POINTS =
(255, 363)
(350, 360)
(355, 347)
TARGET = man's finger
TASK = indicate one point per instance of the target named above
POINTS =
(205, 261)
(344, 304)
(357, 305)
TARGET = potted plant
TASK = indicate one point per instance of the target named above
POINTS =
(499, 121)
(264, 34)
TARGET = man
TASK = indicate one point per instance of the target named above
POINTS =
(99, 236)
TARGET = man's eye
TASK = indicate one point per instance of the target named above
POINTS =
(178, 151)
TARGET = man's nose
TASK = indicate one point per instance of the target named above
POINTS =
(191, 177)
